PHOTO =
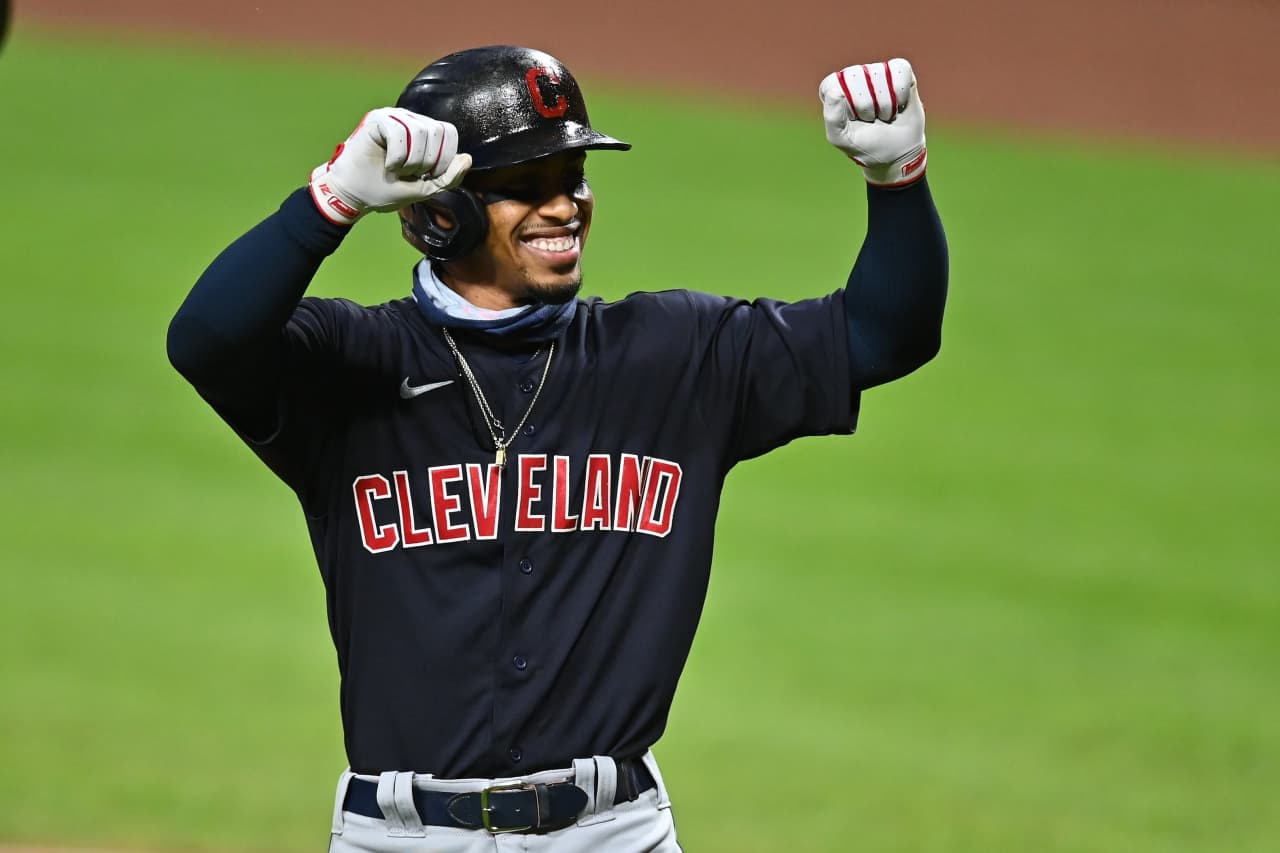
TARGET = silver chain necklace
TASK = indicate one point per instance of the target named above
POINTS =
(496, 431)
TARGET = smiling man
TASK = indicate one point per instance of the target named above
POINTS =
(511, 490)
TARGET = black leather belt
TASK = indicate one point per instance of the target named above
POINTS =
(517, 807)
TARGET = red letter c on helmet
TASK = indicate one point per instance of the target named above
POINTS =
(558, 105)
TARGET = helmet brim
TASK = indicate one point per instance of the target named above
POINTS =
(538, 142)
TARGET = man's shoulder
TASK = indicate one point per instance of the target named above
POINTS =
(342, 311)
(658, 302)
(346, 326)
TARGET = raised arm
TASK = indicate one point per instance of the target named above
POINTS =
(226, 338)
(897, 290)
(227, 331)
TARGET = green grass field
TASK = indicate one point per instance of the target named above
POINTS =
(1033, 606)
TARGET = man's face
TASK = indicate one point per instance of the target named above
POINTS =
(539, 215)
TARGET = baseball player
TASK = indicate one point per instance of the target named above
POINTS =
(512, 490)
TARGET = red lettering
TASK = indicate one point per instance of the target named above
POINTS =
(596, 493)
(915, 163)
(376, 539)
(628, 501)
(662, 478)
(529, 493)
(643, 500)
(340, 205)
(484, 500)
(444, 504)
(558, 105)
(413, 535)
(561, 521)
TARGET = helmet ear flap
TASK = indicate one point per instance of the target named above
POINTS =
(466, 224)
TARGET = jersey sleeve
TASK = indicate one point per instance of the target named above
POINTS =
(330, 365)
(778, 370)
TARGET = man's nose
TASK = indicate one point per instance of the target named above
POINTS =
(561, 207)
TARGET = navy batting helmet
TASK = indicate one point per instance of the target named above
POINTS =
(510, 105)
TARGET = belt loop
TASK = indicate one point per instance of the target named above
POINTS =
(606, 786)
(584, 776)
(341, 797)
(387, 803)
(402, 793)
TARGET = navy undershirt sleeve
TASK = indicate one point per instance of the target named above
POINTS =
(226, 337)
(898, 286)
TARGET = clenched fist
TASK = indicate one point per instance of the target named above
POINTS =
(873, 114)
(393, 158)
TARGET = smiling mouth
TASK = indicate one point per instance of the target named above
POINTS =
(554, 244)
(563, 248)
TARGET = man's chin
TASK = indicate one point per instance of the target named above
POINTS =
(553, 294)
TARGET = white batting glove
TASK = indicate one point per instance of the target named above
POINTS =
(392, 159)
(873, 114)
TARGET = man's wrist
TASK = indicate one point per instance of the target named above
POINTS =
(900, 173)
(306, 224)
(332, 205)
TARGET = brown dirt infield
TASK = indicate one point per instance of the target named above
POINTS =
(30, 849)
(1178, 70)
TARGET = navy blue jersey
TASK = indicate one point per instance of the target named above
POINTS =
(492, 621)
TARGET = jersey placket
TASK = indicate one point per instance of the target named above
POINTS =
(510, 381)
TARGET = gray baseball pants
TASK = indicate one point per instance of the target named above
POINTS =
(643, 825)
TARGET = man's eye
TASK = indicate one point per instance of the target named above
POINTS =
(517, 193)
(574, 186)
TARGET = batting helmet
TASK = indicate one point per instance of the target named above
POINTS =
(510, 105)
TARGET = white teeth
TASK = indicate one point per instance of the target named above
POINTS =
(553, 244)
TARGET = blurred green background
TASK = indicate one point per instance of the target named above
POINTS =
(1033, 605)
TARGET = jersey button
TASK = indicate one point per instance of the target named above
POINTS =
(519, 662)
(526, 566)
(516, 754)
(530, 429)
(527, 386)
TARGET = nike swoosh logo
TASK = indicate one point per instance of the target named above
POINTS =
(408, 392)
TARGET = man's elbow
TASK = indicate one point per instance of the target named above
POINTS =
(178, 347)
(928, 349)
(902, 361)
(920, 354)
(192, 349)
